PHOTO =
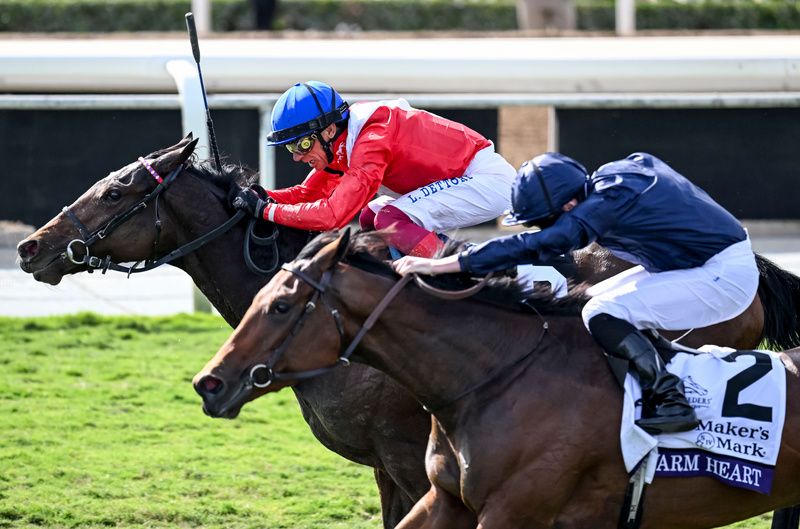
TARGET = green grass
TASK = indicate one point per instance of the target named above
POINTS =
(100, 427)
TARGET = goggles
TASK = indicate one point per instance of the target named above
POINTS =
(301, 146)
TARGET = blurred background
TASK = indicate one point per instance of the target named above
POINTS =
(87, 86)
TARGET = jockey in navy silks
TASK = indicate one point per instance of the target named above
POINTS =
(695, 264)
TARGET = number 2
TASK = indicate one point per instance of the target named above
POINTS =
(737, 383)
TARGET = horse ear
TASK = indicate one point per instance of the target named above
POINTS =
(343, 244)
(170, 160)
(165, 150)
(334, 251)
(188, 149)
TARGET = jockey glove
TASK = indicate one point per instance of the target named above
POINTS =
(252, 200)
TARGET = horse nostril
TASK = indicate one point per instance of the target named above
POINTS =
(209, 385)
(28, 249)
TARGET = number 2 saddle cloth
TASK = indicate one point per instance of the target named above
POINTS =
(740, 400)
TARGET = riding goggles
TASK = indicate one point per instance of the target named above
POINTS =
(301, 146)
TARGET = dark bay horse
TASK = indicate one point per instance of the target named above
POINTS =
(390, 438)
(526, 413)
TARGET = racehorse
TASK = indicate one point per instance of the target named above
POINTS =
(392, 437)
(526, 414)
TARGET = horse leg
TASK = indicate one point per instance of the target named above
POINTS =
(439, 510)
(788, 518)
(395, 503)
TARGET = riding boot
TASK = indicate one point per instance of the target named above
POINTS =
(665, 408)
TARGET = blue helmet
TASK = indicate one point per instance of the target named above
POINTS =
(304, 109)
(543, 185)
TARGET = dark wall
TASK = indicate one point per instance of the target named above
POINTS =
(51, 157)
(746, 159)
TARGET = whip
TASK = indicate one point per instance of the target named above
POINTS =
(196, 52)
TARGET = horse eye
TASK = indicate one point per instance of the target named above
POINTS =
(281, 306)
(114, 194)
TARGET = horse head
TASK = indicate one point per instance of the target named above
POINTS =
(105, 219)
(293, 312)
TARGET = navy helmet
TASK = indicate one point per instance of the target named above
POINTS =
(543, 186)
(304, 109)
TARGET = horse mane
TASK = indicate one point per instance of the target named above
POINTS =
(230, 174)
(369, 252)
(228, 180)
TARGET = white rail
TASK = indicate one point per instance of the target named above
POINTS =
(424, 65)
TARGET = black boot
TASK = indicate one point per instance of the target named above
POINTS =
(665, 408)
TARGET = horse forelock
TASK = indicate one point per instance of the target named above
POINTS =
(368, 251)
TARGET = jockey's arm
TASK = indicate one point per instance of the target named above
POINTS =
(317, 185)
(570, 232)
(356, 187)
(574, 229)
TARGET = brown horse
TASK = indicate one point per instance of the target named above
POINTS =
(389, 438)
(526, 414)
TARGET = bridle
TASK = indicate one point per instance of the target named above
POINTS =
(259, 380)
(88, 238)
(262, 380)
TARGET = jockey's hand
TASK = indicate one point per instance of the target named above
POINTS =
(420, 265)
(248, 200)
(261, 192)
(413, 265)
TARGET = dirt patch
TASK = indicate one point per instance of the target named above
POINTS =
(12, 232)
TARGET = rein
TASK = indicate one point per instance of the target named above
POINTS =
(89, 238)
(262, 380)
(452, 294)
(270, 376)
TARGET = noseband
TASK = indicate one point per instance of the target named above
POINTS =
(320, 287)
(91, 237)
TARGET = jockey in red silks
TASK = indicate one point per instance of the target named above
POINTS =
(433, 174)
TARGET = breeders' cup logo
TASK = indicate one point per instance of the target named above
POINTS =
(705, 440)
(695, 393)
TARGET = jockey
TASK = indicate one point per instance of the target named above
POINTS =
(695, 264)
(435, 174)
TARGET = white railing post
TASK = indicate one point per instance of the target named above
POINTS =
(266, 155)
(193, 112)
(626, 17)
(202, 15)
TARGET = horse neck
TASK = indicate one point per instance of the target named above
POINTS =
(217, 268)
(437, 349)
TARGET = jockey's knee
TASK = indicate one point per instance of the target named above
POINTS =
(608, 330)
(366, 219)
(389, 216)
(598, 305)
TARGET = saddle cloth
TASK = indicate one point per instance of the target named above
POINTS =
(739, 398)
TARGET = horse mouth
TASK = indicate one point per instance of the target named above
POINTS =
(52, 272)
(226, 412)
(228, 404)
